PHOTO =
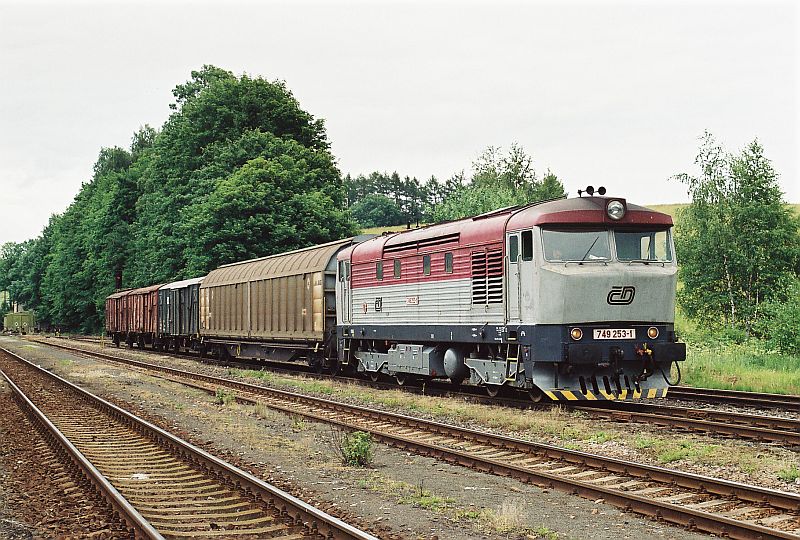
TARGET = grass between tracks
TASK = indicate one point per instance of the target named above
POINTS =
(557, 425)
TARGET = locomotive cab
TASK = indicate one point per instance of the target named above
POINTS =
(595, 302)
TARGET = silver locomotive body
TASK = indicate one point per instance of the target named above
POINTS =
(564, 299)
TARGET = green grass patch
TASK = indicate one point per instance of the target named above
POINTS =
(790, 474)
(224, 397)
(747, 366)
(600, 437)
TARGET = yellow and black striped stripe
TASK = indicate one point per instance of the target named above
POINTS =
(569, 395)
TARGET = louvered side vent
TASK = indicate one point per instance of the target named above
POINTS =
(494, 273)
(478, 277)
(487, 277)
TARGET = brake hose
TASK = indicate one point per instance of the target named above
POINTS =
(678, 367)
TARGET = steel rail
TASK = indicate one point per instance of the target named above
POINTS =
(376, 421)
(135, 521)
(733, 424)
(729, 424)
(754, 399)
(316, 521)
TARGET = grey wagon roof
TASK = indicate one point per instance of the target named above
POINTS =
(183, 283)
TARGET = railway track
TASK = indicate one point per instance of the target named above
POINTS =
(773, 429)
(717, 506)
(737, 397)
(160, 485)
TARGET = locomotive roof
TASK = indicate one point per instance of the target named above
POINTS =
(585, 211)
(491, 226)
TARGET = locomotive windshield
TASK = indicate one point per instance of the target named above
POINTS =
(645, 246)
(576, 245)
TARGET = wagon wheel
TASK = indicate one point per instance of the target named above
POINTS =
(492, 390)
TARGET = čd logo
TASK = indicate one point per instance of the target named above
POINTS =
(621, 296)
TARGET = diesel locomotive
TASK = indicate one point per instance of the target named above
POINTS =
(569, 299)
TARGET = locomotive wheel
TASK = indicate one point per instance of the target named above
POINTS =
(492, 390)
(536, 395)
(401, 378)
(374, 376)
(333, 367)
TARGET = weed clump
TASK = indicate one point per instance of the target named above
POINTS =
(356, 449)
(223, 397)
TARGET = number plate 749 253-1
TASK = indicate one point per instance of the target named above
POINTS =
(614, 333)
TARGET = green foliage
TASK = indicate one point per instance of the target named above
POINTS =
(780, 324)
(499, 181)
(221, 123)
(239, 170)
(357, 449)
(738, 242)
(224, 397)
(377, 211)
(790, 474)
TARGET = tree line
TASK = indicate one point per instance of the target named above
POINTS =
(239, 170)
(497, 179)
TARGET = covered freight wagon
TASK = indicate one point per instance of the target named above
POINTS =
(22, 322)
(116, 322)
(178, 313)
(278, 307)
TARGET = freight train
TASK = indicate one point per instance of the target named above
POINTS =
(569, 299)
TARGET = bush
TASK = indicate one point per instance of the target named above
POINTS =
(780, 325)
(356, 449)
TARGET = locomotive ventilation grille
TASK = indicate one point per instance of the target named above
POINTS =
(487, 277)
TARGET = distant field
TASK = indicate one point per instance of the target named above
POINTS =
(672, 209)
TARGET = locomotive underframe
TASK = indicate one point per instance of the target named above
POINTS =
(542, 358)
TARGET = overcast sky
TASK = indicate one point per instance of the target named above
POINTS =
(602, 93)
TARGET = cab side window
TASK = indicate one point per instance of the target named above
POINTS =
(448, 263)
(426, 265)
(513, 248)
(379, 270)
(527, 245)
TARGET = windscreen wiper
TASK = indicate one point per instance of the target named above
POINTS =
(596, 238)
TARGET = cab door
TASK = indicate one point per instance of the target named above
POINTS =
(344, 288)
(513, 282)
(527, 275)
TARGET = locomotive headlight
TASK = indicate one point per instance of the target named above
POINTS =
(576, 333)
(615, 210)
(652, 332)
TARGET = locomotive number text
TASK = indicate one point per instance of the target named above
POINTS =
(614, 333)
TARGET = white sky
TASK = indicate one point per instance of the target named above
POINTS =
(602, 93)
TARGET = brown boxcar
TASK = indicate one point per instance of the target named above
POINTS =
(134, 316)
(116, 322)
(279, 307)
